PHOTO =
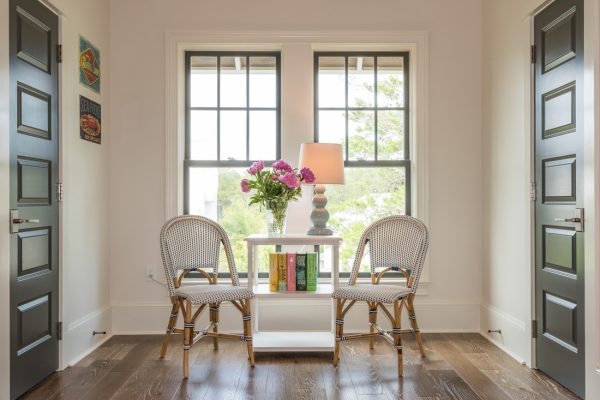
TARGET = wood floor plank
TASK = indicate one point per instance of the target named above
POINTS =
(456, 366)
(481, 384)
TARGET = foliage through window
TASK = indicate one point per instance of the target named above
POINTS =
(361, 102)
(232, 119)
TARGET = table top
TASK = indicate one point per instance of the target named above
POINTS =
(293, 238)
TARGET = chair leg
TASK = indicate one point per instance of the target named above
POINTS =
(412, 317)
(170, 326)
(372, 320)
(247, 319)
(396, 333)
(188, 336)
(339, 331)
(214, 317)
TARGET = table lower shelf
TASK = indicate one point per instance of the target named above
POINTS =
(293, 341)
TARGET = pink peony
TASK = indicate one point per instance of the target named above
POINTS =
(307, 175)
(244, 184)
(256, 167)
(290, 180)
(282, 165)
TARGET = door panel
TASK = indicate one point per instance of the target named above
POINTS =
(559, 170)
(33, 178)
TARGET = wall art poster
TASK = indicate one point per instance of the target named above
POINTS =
(89, 65)
(90, 127)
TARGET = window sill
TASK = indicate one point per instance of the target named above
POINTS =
(422, 291)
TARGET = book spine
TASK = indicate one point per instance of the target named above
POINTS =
(273, 275)
(311, 272)
(291, 272)
(300, 271)
(282, 269)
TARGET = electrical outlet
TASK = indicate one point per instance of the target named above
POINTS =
(149, 272)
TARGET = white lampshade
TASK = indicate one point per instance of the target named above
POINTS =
(326, 160)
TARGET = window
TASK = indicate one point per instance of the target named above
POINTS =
(361, 102)
(232, 118)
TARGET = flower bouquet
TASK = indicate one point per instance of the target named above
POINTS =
(275, 187)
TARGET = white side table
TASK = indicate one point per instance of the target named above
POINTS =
(284, 340)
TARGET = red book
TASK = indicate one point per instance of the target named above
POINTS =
(291, 272)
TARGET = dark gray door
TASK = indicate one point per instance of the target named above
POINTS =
(33, 179)
(559, 213)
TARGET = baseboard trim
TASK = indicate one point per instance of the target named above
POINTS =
(90, 350)
(515, 338)
(434, 316)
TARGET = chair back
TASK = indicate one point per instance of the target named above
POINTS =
(396, 242)
(192, 242)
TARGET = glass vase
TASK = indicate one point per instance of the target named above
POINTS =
(276, 218)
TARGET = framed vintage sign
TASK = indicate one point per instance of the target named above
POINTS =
(90, 120)
(89, 65)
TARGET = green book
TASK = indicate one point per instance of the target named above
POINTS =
(300, 271)
(282, 271)
(311, 272)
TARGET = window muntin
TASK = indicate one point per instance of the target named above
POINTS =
(233, 114)
(361, 102)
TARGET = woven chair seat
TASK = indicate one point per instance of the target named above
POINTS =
(206, 294)
(372, 293)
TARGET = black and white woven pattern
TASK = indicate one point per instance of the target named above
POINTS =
(206, 294)
(192, 242)
(398, 241)
(372, 293)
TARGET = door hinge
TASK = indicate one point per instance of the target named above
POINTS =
(59, 192)
(533, 54)
(532, 191)
(533, 329)
(59, 330)
(59, 53)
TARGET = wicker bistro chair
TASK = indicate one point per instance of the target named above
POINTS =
(397, 243)
(191, 243)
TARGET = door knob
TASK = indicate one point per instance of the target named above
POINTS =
(25, 221)
(15, 221)
(577, 220)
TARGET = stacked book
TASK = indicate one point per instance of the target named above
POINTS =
(293, 272)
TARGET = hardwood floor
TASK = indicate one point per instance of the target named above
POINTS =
(457, 366)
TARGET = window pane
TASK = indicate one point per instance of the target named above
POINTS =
(263, 82)
(203, 81)
(233, 81)
(361, 82)
(332, 82)
(215, 193)
(361, 136)
(263, 135)
(233, 135)
(332, 127)
(390, 82)
(203, 135)
(390, 135)
(369, 194)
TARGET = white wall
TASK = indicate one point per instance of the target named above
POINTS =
(84, 170)
(506, 150)
(137, 174)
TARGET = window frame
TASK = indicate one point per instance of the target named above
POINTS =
(188, 162)
(406, 162)
(219, 163)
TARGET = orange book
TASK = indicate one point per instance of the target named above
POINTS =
(273, 275)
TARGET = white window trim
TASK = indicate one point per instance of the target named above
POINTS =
(417, 43)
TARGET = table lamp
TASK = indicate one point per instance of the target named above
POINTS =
(326, 160)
